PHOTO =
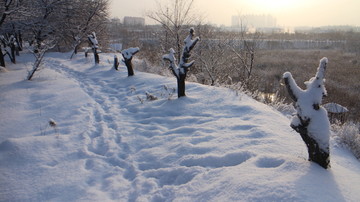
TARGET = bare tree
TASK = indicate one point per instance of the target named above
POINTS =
(213, 56)
(173, 17)
(243, 45)
(39, 56)
(85, 16)
(44, 27)
(10, 8)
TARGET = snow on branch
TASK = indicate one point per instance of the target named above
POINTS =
(189, 41)
(130, 52)
(94, 42)
(171, 58)
(189, 45)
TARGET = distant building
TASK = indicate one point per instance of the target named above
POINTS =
(254, 21)
(134, 21)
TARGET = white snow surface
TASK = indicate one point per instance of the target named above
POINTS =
(107, 145)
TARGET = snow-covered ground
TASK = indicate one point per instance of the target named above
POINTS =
(112, 144)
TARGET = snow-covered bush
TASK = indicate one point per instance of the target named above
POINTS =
(128, 55)
(180, 70)
(311, 120)
(349, 135)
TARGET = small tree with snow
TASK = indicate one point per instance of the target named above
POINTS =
(128, 55)
(9, 42)
(311, 120)
(180, 70)
(94, 46)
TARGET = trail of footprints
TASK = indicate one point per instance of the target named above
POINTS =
(104, 129)
(106, 143)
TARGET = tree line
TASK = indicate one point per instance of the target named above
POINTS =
(49, 24)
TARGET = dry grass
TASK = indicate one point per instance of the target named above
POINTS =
(342, 79)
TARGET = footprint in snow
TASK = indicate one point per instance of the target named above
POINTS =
(269, 162)
(232, 159)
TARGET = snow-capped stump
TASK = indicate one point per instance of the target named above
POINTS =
(336, 112)
(335, 108)
(311, 120)
(180, 70)
(128, 55)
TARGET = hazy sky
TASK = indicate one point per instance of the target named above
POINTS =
(289, 13)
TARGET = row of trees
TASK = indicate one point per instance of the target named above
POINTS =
(48, 24)
(311, 121)
(66, 24)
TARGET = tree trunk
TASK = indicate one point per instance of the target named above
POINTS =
(116, 63)
(96, 56)
(2, 61)
(316, 154)
(129, 66)
(20, 43)
(12, 48)
(181, 85)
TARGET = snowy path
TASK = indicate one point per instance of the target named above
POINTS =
(114, 145)
(104, 138)
(165, 142)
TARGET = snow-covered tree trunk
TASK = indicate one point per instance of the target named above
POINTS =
(9, 44)
(311, 120)
(12, 44)
(95, 46)
(180, 70)
(128, 55)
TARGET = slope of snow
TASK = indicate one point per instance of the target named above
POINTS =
(112, 144)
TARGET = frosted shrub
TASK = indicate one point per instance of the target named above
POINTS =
(349, 135)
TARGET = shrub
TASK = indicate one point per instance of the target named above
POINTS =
(348, 134)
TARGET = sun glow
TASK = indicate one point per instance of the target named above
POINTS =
(275, 5)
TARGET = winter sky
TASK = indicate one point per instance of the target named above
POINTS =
(289, 13)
